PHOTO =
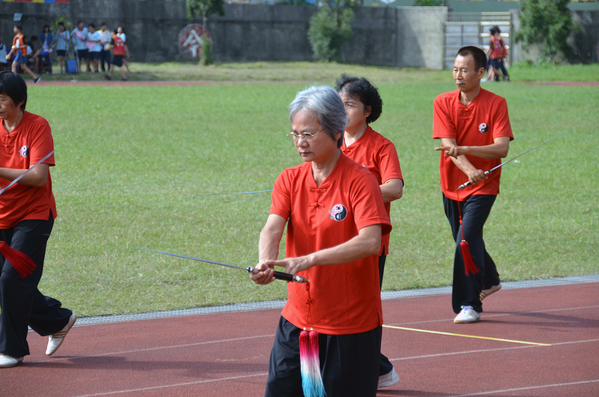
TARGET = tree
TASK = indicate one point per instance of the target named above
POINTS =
(330, 28)
(205, 8)
(548, 23)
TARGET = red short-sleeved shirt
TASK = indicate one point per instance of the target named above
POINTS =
(477, 124)
(23, 147)
(379, 155)
(347, 297)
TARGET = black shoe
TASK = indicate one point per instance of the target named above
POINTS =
(107, 77)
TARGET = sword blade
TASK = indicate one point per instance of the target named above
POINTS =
(17, 179)
(195, 259)
(510, 160)
(522, 154)
(220, 194)
(277, 275)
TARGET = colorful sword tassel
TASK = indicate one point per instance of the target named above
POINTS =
(312, 384)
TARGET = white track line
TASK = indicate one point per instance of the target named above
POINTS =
(490, 350)
(502, 315)
(174, 385)
(396, 359)
(153, 349)
(528, 388)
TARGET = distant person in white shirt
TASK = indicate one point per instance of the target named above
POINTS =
(62, 45)
(105, 53)
(79, 37)
(94, 40)
(120, 32)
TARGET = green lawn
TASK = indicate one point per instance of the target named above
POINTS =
(127, 156)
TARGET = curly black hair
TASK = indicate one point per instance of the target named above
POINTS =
(368, 94)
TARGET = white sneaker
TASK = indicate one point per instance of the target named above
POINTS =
(388, 379)
(466, 316)
(56, 339)
(8, 361)
(486, 292)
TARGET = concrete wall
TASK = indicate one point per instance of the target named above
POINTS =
(386, 36)
(383, 36)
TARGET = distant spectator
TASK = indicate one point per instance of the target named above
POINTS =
(3, 53)
(94, 39)
(122, 35)
(79, 37)
(498, 52)
(46, 40)
(62, 45)
(19, 49)
(33, 52)
(119, 51)
(105, 53)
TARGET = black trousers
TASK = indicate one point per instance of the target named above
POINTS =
(466, 289)
(105, 60)
(21, 303)
(349, 363)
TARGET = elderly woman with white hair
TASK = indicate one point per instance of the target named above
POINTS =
(335, 216)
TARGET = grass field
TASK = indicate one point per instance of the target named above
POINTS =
(128, 156)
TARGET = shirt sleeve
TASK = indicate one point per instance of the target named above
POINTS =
(367, 203)
(502, 126)
(388, 163)
(443, 127)
(281, 196)
(41, 144)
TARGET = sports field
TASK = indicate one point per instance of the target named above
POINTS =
(128, 156)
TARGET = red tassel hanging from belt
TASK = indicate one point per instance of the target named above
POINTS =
(312, 384)
(469, 265)
(20, 261)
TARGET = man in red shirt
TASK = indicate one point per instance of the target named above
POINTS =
(27, 212)
(475, 133)
(334, 212)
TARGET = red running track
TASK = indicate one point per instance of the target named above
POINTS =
(226, 354)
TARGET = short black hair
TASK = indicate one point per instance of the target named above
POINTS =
(14, 86)
(33, 38)
(92, 25)
(103, 24)
(368, 94)
(60, 23)
(20, 27)
(479, 56)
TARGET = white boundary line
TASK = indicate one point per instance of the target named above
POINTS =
(174, 385)
(396, 359)
(154, 348)
(385, 295)
(528, 388)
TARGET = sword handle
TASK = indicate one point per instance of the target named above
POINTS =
(470, 183)
(285, 276)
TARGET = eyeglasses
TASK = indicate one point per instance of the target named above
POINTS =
(306, 136)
